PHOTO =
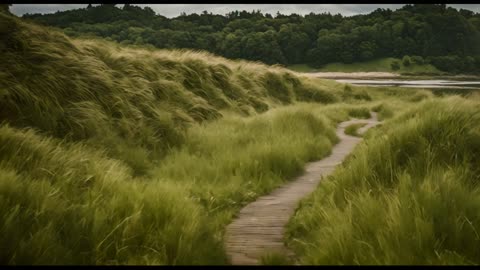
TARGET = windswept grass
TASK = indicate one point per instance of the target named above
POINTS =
(69, 204)
(116, 155)
(137, 103)
(407, 195)
(65, 203)
(113, 155)
(352, 129)
(275, 258)
(359, 112)
(234, 160)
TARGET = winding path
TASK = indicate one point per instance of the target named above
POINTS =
(260, 226)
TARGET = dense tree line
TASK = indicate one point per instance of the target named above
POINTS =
(5, 8)
(444, 36)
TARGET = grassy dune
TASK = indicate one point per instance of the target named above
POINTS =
(70, 204)
(407, 195)
(137, 102)
(114, 155)
(118, 155)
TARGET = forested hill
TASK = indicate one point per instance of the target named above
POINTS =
(443, 36)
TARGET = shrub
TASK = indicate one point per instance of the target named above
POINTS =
(384, 111)
(352, 129)
(406, 61)
(307, 92)
(418, 60)
(359, 112)
(362, 95)
(395, 65)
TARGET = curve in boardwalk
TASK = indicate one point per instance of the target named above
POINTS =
(260, 226)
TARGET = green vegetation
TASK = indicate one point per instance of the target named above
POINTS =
(359, 112)
(136, 102)
(132, 155)
(175, 215)
(443, 36)
(393, 65)
(382, 65)
(5, 8)
(407, 195)
(384, 111)
(275, 259)
(113, 155)
(352, 129)
(406, 61)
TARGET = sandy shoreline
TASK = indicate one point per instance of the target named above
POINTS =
(385, 76)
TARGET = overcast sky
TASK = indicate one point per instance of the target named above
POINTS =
(173, 10)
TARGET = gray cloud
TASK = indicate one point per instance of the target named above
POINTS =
(173, 10)
(20, 9)
(472, 7)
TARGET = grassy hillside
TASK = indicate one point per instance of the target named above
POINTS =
(114, 155)
(137, 102)
(123, 155)
(407, 195)
(378, 65)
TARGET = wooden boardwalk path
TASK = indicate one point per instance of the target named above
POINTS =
(260, 226)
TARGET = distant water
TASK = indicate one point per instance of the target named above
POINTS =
(416, 83)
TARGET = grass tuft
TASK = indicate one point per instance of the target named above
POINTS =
(352, 129)
(275, 258)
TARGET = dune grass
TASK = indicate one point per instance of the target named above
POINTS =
(352, 129)
(359, 112)
(275, 258)
(67, 203)
(116, 155)
(136, 102)
(113, 155)
(89, 208)
(407, 195)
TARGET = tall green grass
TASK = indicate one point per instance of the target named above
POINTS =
(68, 204)
(353, 129)
(115, 155)
(88, 208)
(65, 203)
(136, 102)
(408, 195)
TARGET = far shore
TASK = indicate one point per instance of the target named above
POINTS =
(353, 75)
(382, 75)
